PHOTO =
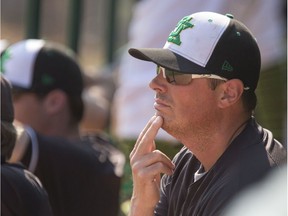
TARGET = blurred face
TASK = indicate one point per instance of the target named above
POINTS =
(29, 109)
(189, 109)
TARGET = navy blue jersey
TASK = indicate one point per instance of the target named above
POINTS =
(248, 158)
(80, 176)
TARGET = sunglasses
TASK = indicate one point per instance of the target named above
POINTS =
(177, 78)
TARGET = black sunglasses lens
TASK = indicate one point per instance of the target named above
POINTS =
(166, 75)
(169, 75)
(174, 77)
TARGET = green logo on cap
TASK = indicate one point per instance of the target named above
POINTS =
(183, 24)
(47, 80)
(226, 66)
(5, 56)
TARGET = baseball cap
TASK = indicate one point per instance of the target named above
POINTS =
(7, 110)
(208, 43)
(41, 66)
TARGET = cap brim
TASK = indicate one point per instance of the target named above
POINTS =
(168, 59)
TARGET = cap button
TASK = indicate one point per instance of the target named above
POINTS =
(229, 15)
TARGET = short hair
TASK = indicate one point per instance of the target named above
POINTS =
(76, 105)
(249, 99)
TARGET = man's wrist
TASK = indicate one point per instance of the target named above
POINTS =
(138, 208)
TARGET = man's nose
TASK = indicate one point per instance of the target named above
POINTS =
(158, 83)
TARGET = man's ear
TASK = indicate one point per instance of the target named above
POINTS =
(231, 92)
(55, 101)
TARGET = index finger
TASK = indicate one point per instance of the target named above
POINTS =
(146, 143)
(142, 134)
(145, 129)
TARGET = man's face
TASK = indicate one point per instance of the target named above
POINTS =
(186, 109)
(29, 109)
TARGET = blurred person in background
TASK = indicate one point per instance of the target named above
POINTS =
(22, 192)
(82, 175)
(97, 96)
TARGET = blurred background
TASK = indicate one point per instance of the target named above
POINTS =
(92, 28)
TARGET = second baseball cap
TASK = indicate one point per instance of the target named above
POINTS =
(41, 66)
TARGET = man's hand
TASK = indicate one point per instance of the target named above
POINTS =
(147, 164)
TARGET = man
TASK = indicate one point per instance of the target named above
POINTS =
(21, 192)
(207, 73)
(81, 173)
(133, 98)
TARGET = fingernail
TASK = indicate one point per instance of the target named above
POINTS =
(158, 118)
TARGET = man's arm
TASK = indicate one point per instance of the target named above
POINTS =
(147, 164)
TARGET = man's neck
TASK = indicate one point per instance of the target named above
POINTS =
(210, 148)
